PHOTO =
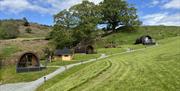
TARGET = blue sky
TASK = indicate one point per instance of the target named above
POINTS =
(151, 12)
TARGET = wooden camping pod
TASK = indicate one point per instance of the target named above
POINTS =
(88, 49)
(28, 61)
(145, 40)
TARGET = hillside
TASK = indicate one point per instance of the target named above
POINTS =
(9, 48)
(149, 69)
(38, 30)
(124, 37)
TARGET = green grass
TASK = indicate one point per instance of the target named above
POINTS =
(61, 76)
(156, 32)
(122, 48)
(9, 75)
(83, 76)
(84, 57)
(151, 69)
(8, 50)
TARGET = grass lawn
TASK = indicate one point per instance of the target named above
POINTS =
(61, 76)
(156, 32)
(122, 48)
(151, 69)
(68, 81)
(9, 75)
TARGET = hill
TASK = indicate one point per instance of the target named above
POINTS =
(125, 37)
(37, 30)
(152, 68)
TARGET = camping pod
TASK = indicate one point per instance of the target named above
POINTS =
(88, 49)
(28, 61)
(145, 40)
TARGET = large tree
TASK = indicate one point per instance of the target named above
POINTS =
(61, 37)
(117, 13)
(64, 24)
(87, 16)
(77, 23)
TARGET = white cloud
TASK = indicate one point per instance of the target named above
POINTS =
(162, 19)
(175, 4)
(155, 2)
(17, 6)
(152, 3)
(65, 4)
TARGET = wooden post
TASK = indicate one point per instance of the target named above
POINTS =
(44, 79)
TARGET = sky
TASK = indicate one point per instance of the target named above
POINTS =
(150, 12)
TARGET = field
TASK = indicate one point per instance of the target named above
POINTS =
(154, 68)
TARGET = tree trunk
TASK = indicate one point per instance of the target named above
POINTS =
(114, 27)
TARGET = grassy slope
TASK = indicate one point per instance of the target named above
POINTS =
(38, 30)
(157, 32)
(80, 77)
(152, 69)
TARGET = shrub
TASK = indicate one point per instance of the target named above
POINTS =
(28, 30)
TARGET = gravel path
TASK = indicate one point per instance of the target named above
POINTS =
(32, 86)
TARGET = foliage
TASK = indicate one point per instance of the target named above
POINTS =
(74, 25)
(116, 13)
(61, 37)
(28, 30)
(82, 20)
(8, 30)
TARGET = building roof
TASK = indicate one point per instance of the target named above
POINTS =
(64, 51)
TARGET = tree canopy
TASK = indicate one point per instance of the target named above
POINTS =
(116, 13)
(74, 25)
(79, 22)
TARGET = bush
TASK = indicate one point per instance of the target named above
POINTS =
(28, 30)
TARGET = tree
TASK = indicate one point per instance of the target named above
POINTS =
(28, 30)
(87, 16)
(74, 25)
(117, 13)
(26, 23)
(66, 19)
(61, 34)
(61, 37)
